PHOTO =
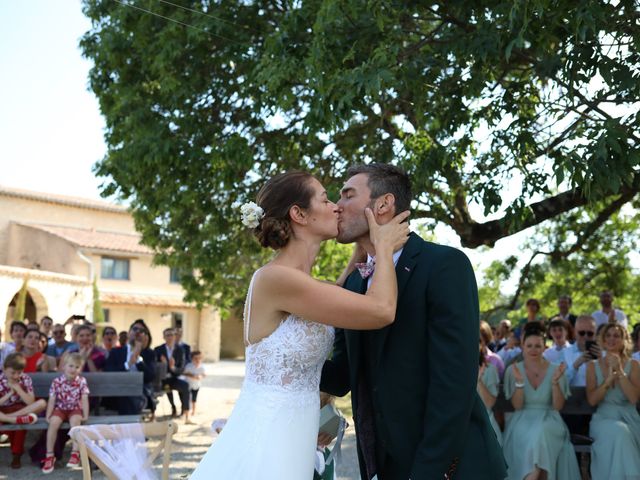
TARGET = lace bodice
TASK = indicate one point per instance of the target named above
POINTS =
(291, 358)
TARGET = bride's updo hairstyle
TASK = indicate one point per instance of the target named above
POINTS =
(276, 198)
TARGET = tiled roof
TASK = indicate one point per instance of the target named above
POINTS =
(95, 239)
(62, 199)
(143, 299)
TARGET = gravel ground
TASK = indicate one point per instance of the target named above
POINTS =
(215, 400)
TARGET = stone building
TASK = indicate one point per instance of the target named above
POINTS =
(60, 244)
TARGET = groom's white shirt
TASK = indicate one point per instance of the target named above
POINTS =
(396, 256)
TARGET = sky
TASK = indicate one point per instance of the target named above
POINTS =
(51, 130)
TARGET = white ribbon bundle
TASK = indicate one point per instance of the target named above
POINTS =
(121, 448)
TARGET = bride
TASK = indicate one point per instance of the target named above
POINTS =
(288, 331)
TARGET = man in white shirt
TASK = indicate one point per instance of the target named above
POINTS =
(558, 331)
(609, 314)
(577, 356)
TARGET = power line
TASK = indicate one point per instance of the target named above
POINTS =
(207, 15)
(179, 22)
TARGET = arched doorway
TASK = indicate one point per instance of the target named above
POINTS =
(35, 306)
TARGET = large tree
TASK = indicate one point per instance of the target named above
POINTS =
(506, 114)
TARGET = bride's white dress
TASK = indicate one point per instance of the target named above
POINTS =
(273, 429)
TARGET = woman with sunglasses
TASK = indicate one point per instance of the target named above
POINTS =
(613, 384)
(536, 442)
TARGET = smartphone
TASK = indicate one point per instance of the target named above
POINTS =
(587, 345)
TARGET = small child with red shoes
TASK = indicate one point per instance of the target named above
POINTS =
(68, 401)
(17, 402)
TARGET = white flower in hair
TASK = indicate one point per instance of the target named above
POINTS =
(251, 214)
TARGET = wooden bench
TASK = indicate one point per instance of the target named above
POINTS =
(101, 384)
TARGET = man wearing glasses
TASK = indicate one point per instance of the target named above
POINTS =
(582, 352)
(60, 343)
(576, 357)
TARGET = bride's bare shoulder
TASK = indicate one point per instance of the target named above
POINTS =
(272, 274)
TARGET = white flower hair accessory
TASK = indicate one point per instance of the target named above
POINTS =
(251, 214)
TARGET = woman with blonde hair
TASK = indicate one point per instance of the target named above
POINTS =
(486, 337)
(613, 384)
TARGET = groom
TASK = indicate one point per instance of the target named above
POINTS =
(413, 383)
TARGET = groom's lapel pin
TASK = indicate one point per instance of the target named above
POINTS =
(407, 269)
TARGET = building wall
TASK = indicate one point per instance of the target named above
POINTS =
(32, 248)
(30, 210)
(231, 337)
(144, 277)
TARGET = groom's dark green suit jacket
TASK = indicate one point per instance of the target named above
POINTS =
(427, 415)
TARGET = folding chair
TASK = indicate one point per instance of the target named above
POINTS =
(98, 433)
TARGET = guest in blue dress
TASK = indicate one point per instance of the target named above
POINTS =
(613, 384)
(488, 382)
(536, 441)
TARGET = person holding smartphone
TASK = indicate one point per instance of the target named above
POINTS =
(582, 351)
(577, 357)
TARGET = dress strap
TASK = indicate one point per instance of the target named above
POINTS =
(247, 311)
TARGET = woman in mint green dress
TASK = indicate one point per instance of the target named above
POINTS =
(613, 384)
(536, 442)
(488, 381)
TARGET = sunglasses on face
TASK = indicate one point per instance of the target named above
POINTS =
(109, 333)
(58, 332)
(137, 329)
(582, 333)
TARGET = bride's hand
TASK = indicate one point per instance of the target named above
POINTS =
(392, 235)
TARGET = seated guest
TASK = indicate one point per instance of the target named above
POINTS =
(558, 332)
(60, 343)
(17, 331)
(502, 333)
(133, 357)
(533, 316)
(36, 361)
(109, 339)
(94, 358)
(536, 441)
(123, 338)
(17, 402)
(486, 337)
(46, 327)
(608, 313)
(148, 387)
(68, 401)
(173, 356)
(488, 381)
(613, 384)
(577, 356)
(564, 310)
(52, 364)
(511, 350)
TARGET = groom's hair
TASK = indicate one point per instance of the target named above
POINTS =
(384, 178)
